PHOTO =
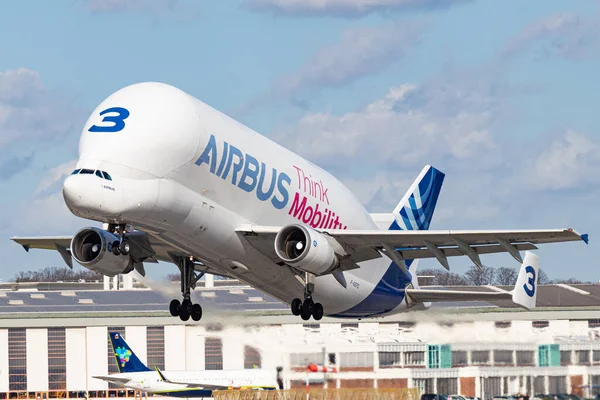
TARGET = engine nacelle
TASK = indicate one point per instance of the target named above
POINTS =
(306, 249)
(92, 248)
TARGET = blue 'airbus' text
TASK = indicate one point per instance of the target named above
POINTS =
(245, 172)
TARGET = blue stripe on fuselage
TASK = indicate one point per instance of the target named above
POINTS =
(387, 295)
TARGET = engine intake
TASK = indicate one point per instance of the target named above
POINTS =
(91, 248)
(306, 249)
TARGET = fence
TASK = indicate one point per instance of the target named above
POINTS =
(319, 394)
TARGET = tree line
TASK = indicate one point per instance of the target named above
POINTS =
(56, 274)
(487, 276)
(473, 277)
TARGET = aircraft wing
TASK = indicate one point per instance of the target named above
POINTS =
(362, 245)
(113, 379)
(152, 248)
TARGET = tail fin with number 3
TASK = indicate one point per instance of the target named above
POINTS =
(525, 291)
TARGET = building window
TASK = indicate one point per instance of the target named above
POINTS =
(57, 360)
(459, 358)
(479, 357)
(356, 360)
(155, 345)
(312, 326)
(252, 358)
(447, 385)
(414, 358)
(565, 357)
(424, 385)
(113, 367)
(503, 357)
(502, 324)
(303, 359)
(213, 354)
(540, 324)
(17, 359)
(390, 359)
(349, 326)
(525, 358)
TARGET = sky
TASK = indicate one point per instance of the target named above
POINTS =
(500, 95)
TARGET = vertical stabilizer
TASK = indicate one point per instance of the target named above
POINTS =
(415, 210)
(127, 361)
(525, 291)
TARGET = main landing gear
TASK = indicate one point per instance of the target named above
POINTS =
(307, 307)
(189, 277)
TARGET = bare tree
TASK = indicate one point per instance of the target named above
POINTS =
(444, 278)
(55, 274)
(543, 278)
(478, 277)
(506, 276)
(570, 281)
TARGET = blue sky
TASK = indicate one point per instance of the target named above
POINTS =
(500, 95)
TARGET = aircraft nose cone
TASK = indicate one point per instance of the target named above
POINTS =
(69, 191)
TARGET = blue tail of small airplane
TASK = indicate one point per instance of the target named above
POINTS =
(127, 361)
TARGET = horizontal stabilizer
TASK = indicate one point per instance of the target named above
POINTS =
(438, 295)
(523, 294)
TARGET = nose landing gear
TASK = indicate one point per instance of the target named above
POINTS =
(307, 307)
(185, 309)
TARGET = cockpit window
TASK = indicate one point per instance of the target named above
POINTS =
(106, 176)
(87, 171)
(98, 173)
(75, 172)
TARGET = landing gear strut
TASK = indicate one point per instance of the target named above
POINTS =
(120, 246)
(307, 307)
(189, 277)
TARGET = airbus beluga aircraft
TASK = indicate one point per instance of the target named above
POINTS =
(175, 180)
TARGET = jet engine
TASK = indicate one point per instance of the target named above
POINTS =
(91, 247)
(306, 249)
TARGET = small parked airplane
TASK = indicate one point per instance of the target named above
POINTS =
(176, 180)
(134, 374)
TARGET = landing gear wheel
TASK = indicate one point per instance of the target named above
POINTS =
(296, 306)
(304, 315)
(175, 307)
(115, 248)
(124, 248)
(189, 278)
(307, 306)
(196, 312)
(317, 311)
(186, 309)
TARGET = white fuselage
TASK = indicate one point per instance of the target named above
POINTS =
(190, 175)
(196, 383)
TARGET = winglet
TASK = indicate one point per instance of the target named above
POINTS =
(585, 237)
(525, 291)
(160, 375)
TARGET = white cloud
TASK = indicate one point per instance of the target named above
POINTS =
(570, 162)
(29, 111)
(560, 35)
(345, 8)
(408, 126)
(360, 52)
